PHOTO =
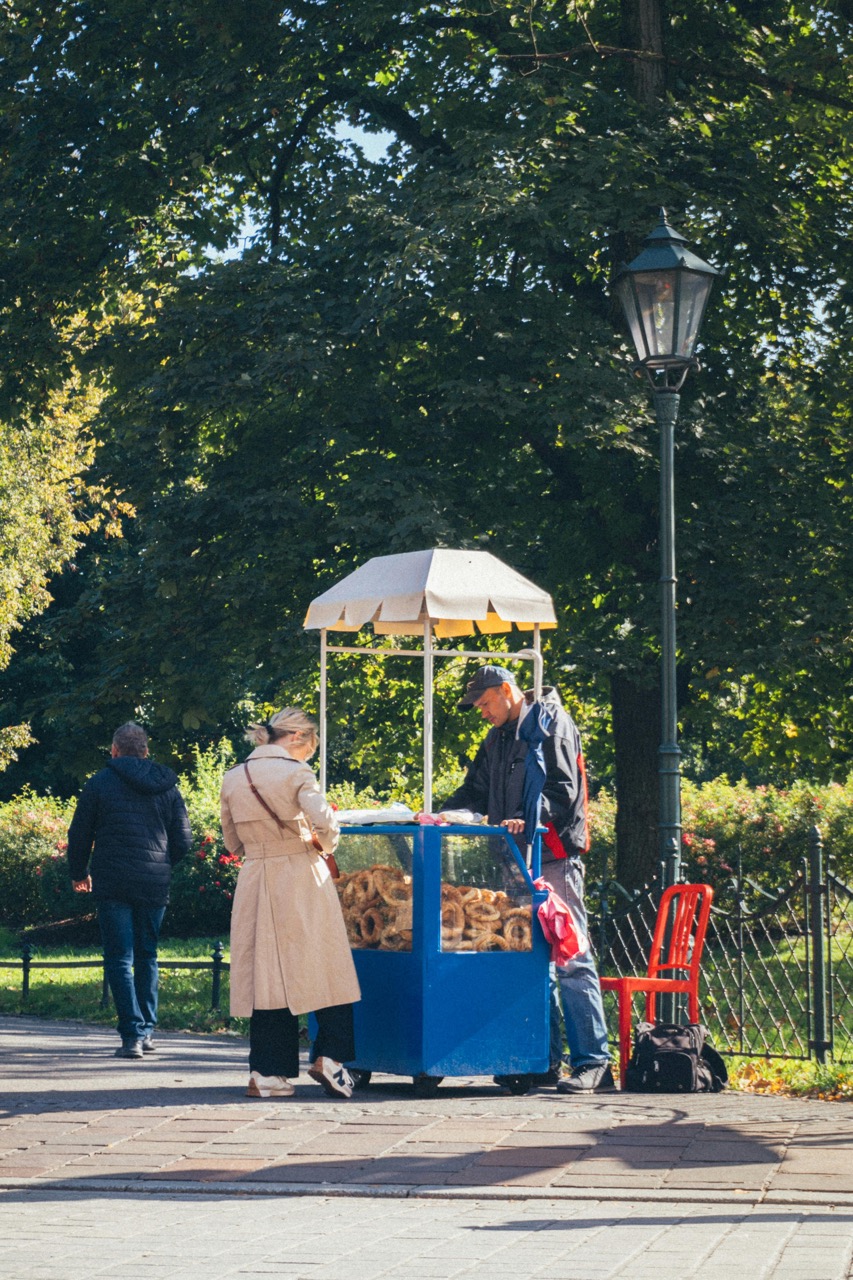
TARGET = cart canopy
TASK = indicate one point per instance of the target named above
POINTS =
(460, 592)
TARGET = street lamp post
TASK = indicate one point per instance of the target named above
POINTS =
(664, 292)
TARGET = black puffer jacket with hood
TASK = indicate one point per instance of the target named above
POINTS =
(494, 782)
(132, 821)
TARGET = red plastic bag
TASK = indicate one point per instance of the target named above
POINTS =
(560, 927)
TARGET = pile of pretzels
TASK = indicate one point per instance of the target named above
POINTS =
(377, 909)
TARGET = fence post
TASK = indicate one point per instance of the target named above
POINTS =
(217, 976)
(817, 890)
(26, 959)
(741, 1012)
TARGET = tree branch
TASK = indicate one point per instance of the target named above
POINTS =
(741, 74)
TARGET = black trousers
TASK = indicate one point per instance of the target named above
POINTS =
(274, 1039)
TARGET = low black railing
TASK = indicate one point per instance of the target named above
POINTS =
(217, 965)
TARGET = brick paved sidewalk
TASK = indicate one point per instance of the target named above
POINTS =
(74, 1117)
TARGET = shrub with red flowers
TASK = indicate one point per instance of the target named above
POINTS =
(35, 885)
(768, 827)
(202, 890)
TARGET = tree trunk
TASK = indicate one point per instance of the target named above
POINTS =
(636, 734)
(642, 29)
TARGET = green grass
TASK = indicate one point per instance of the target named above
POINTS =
(185, 994)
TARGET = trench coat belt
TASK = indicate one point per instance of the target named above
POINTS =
(265, 852)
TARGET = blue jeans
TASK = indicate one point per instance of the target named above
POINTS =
(129, 934)
(577, 981)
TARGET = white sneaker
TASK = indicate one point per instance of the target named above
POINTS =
(334, 1078)
(268, 1086)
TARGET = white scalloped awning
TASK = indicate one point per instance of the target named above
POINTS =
(459, 591)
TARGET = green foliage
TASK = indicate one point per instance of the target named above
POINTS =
(32, 844)
(202, 890)
(421, 349)
(769, 827)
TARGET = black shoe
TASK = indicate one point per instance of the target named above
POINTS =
(130, 1049)
(593, 1078)
(148, 1045)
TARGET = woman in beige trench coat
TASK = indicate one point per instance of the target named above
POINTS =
(289, 947)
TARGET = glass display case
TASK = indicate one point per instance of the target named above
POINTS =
(454, 976)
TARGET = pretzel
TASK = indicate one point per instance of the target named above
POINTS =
(491, 942)
(482, 915)
(372, 926)
(517, 930)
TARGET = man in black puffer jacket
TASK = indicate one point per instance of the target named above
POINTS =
(132, 821)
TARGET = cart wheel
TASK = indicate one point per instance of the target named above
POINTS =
(426, 1086)
(360, 1079)
(517, 1085)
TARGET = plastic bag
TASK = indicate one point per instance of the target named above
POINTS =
(559, 925)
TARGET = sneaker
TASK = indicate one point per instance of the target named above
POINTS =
(148, 1045)
(334, 1078)
(129, 1049)
(268, 1086)
(592, 1078)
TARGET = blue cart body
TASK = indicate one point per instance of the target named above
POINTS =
(430, 1012)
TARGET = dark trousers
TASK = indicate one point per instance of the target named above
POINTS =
(274, 1039)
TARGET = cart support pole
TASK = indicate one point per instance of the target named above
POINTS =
(428, 674)
(537, 663)
(323, 676)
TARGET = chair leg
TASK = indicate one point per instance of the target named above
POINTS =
(625, 1011)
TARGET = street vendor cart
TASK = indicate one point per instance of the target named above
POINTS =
(452, 965)
(442, 921)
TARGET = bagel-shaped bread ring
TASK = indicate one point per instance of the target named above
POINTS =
(363, 887)
(488, 895)
(348, 894)
(352, 923)
(482, 914)
(449, 892)
(504, 903)
(371, 925)
(384, 878)
(393, 939)
(452, 921)
(491, 942)
(452, 915)
(396, 893)
(517, 931)
(468, 893)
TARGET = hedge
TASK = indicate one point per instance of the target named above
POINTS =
(768, 827)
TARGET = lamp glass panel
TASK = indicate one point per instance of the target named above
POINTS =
(694, 290)
(626, 295)
(655, 293)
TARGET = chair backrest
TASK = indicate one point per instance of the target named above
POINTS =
(680, 931)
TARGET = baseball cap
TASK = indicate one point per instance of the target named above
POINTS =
(486, 677)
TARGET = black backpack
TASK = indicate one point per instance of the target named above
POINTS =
(672, 1059)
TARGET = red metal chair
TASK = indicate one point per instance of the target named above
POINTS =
(684, 910)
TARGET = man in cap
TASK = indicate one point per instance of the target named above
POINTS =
(494, 786)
